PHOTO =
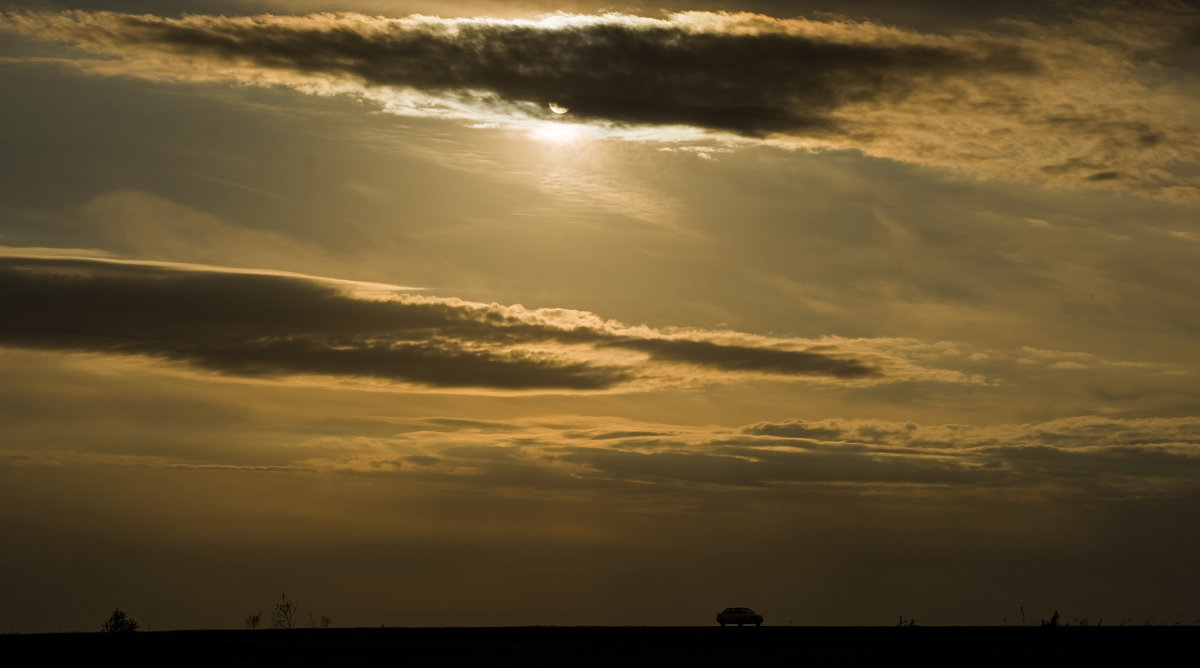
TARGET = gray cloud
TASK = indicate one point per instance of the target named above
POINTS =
(621, 70)
(1082, 458)
(745, 358)
(1093, 452)
(254, 325)
(1072, 99)
(1113, 458)
(795, 429)
(257, 324)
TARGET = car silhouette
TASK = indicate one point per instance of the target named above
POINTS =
(739, 616)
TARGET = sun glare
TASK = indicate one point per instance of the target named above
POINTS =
(556, 133)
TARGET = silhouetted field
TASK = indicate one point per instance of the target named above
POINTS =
(747, 647)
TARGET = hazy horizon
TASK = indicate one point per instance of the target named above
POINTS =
(579, 313)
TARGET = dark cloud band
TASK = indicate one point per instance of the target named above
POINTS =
(745, 358)
(619, 69)
(269, 324)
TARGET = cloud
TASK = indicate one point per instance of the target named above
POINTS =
(138, 412)
(1073, 103)
(740, 73)
(1082, 457)
(745, 358)
(797, 429)
(274, 324)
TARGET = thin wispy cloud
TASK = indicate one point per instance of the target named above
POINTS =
(1082, 458)
(1071, 104)
(1077, 456)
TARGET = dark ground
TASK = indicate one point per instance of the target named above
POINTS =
(747, 647)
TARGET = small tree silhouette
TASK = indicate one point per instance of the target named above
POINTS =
(252, 621)
(119, 622)
(283, 615)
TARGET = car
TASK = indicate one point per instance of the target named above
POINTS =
(739, 616)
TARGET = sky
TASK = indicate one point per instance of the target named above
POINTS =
(571, 313)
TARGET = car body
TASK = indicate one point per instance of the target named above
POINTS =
(739, 616)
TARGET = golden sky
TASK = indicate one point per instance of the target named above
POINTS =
(498, 313)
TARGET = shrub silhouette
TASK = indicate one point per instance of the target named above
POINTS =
(325, 621)
(119, 622)
(252, 621)
(283, 615)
